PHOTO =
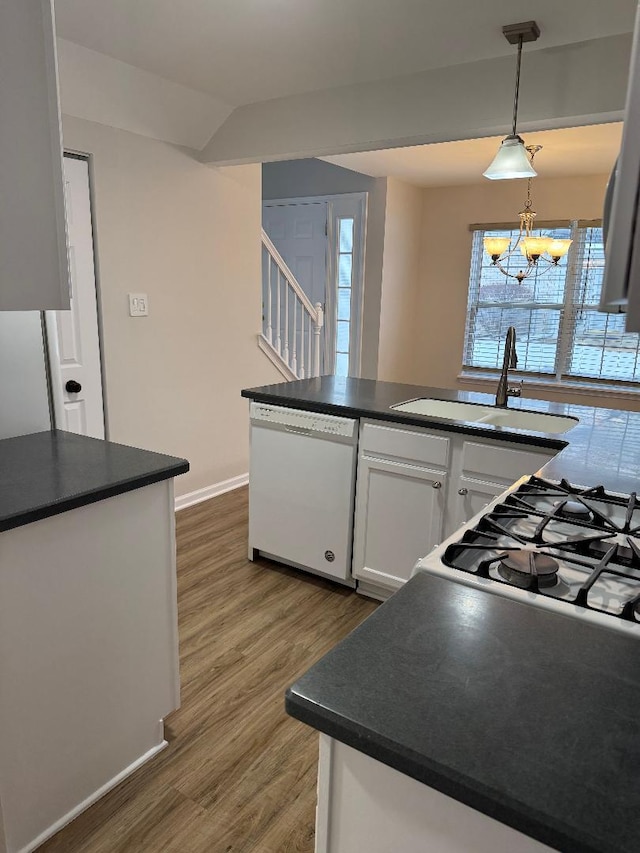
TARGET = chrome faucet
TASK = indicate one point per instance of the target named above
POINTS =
(510, 360)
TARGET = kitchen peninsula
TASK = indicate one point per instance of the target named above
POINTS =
(457, 720)
(88, 623)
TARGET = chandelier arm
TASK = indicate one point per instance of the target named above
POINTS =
(517, 276)
(549, 263)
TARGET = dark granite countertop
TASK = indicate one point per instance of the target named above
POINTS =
(527, 716)
(604, 448)
(46, 473)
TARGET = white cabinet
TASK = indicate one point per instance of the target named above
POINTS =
(34, 270)
(468, 497)
(401, 489)
(398, 517)
(88, 656)
(366, 805)
(481, 470)
(415, 487)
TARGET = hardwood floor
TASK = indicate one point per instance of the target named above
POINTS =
(239, 774)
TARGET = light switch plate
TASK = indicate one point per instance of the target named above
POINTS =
(138, 305)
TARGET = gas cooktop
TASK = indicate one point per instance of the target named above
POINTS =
(577, 546)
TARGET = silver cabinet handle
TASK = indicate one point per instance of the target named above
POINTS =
(437, 484)
(463, 491)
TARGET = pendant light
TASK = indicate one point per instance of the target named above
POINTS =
(512, 159)
(541, 253)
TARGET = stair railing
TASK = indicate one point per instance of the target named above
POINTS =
(291, 324)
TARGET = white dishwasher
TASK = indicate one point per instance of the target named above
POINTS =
(301, 489)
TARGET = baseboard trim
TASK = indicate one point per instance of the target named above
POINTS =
(193, 498)
(84, 805)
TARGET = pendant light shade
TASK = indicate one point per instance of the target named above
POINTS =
(511, 161)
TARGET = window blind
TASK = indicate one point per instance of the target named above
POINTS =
(560, 333)
(600, 348)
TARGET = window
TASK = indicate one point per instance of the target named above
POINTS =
(560, 333)
(345, 282)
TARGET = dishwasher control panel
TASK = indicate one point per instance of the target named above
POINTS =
(304, 422)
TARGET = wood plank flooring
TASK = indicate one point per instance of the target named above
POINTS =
(239, 774)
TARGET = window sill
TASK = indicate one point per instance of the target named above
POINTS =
(588, 389)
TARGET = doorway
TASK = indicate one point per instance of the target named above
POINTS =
(73, 337)
(322, 240)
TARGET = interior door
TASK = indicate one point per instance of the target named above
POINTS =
(299, 233)
(73, 336)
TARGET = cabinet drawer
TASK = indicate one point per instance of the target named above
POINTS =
(497, 462)
(407, 444)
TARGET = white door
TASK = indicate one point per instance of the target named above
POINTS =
(299, 233)
(73, 336)
(322, 240)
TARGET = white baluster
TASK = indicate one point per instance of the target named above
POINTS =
(309, 348)
(317, 331)
(302, 312)
(269, 301)
(278, 330)
(294, 360)
(286, 321)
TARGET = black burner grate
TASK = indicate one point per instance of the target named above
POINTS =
(597, 548)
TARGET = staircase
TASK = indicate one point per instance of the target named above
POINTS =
(291, 334)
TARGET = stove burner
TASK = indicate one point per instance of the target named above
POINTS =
(528, 569)
(574, 509)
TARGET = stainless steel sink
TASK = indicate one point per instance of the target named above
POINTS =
(472, 413)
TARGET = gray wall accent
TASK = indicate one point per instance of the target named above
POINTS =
(311, 177)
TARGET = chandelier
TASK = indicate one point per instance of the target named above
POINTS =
(541, 253)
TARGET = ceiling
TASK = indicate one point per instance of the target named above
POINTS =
(246, 51)
(572, 151)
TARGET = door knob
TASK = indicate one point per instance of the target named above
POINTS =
(463, 491)
(437, 485)
(73, 387)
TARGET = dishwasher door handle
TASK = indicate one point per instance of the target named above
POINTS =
(299, 430)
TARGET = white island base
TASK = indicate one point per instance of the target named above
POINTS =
(365, 805)
(88, 656)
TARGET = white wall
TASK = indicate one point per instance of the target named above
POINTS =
(565, 86)
(188, 236)
(102, 89)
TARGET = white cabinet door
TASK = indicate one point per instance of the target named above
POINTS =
(34, 271)
(468, 498)
(399, 512)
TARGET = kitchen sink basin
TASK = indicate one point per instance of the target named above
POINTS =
(472, 413)
(537, 421)
(447, 409)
